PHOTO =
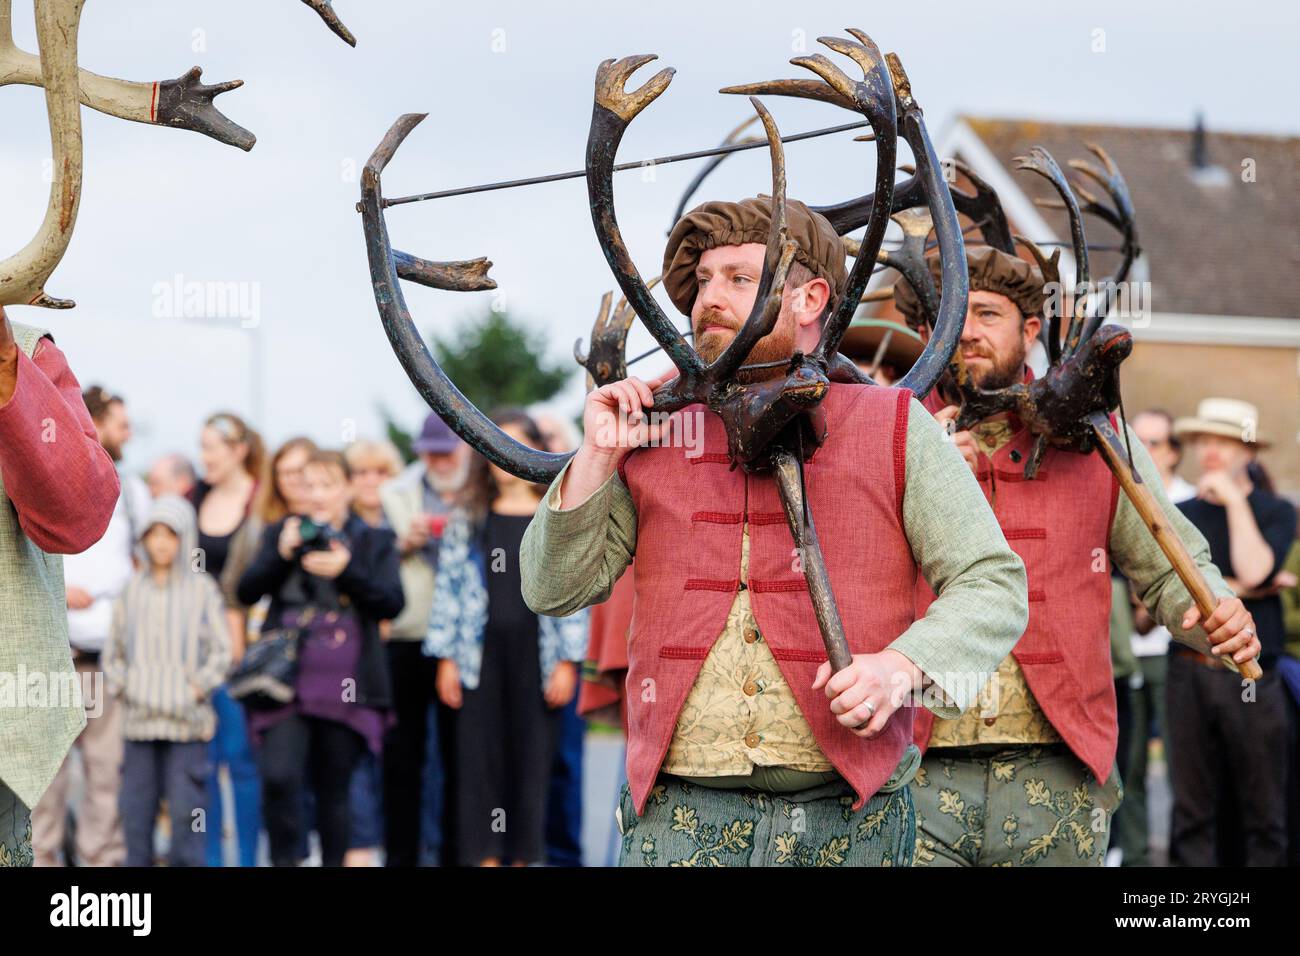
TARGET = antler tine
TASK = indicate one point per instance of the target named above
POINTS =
(609, 345)
(941, 350)
(1049, 266)
(1040, 161)
(614, 109)
(602, 317)
(909, 260)
(714, 162)
(184, 103)
(623, 316)
(23, 275)
(986, 208)
(873, 97)
(804, 89)
(1121, 218)
(326, 10)
(611, 85)
(776, 264)
(845, 217)
(429, 380)
(470, 275)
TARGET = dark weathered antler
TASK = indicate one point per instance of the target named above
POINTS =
(873, 97)
(607, 361)
(909, 260)
(1120, 217)
(1040, 161)
(614, 110)
(984, 209)
(326, 10)
(432, 383)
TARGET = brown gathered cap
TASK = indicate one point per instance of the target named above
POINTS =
(735, 223)
(990, 270)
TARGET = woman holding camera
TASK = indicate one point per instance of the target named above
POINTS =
(331, 579)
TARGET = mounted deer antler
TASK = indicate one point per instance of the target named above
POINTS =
(768, 423)
(1069, 406)
(184, 102)
(24, 274)
(430, 380)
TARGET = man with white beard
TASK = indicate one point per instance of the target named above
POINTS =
(415, 505)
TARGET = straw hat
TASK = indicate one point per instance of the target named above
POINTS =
(1228, 417)
(863, 337)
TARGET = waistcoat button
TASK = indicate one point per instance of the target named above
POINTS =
(752, 740)
(751, 635)
(750, 688)
(990, 721)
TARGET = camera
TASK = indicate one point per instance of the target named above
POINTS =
(317, 536)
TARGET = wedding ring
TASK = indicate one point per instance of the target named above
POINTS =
(871, 708)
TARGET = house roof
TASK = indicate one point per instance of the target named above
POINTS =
(1215, 244)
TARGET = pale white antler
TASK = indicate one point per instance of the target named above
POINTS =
(185, 102)
(23, 275)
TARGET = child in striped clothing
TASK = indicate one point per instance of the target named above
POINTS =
(168, 651)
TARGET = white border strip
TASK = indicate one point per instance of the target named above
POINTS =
(1217, 330)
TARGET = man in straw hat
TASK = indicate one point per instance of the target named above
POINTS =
(1221, 740)
(1029, 777)
(743, 749)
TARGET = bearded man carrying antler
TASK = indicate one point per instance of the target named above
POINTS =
(746, 745)
(1029, 777)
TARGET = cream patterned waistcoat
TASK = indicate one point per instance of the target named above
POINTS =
(41, 710)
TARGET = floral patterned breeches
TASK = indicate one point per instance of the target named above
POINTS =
(15, 830)
(689, 825)
(1011, 806)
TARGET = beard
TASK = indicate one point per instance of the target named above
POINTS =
(1003, 372)
(776, 346)
(450, 482)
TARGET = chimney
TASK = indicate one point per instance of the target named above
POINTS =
(1200, 158)
(1204, 172)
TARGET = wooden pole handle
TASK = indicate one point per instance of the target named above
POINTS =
(1112, 452)
(814, 564)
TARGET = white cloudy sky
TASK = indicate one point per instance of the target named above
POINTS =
(508, 87)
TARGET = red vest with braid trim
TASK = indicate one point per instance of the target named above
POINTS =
(1059, 524)
(691, 510)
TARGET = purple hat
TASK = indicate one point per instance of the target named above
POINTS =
(436, 438)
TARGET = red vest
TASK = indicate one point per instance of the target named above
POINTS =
(1059, 524)
(690, 518)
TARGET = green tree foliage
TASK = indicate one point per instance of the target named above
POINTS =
(495, 361)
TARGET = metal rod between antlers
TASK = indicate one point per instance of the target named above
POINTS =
(636, 164)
